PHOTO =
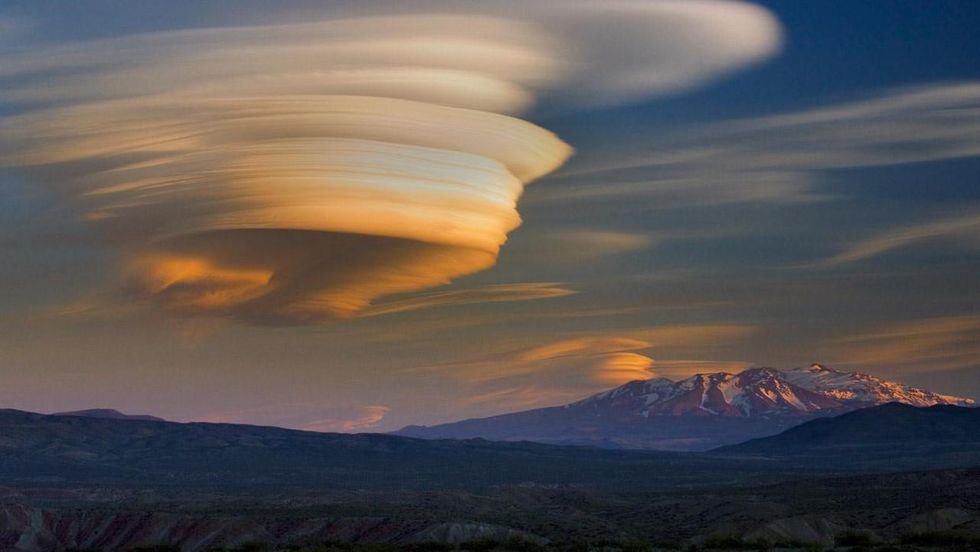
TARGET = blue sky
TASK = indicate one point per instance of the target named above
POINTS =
(818, 205)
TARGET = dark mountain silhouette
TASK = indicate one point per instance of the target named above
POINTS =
(109, 413)
(115, 484)
(889, 426)
(38, 447)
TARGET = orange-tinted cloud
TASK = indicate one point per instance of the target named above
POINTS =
(617, 368)
(568, 369)
(294, 173)
(367, 419)
(277, 207)
(500, 293)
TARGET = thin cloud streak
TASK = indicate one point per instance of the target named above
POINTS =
(933, 344)
(962, 228)
(500, 293)
(777, 158)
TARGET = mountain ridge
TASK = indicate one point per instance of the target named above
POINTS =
(892, 424)
(48, 448)
(109, 413)
(700, 412)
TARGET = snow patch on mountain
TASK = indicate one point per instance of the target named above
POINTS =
(865, 388)
(761, 392)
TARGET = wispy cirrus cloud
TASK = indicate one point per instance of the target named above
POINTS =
(109, 308)
(931, 344)
(570, 246)
(777, 158)
(961, 229)
(500, 293)
(294, 173)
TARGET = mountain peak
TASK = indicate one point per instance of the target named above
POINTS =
(763, 391)
(696, 413)
(858, 389)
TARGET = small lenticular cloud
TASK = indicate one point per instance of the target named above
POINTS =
(294, 173)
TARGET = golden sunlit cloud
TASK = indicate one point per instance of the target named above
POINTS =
(581, 345)
(619, 368)
(294, 173)
(568, 369)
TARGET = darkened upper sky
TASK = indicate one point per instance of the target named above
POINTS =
(255, 218)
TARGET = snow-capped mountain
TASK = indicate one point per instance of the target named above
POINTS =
(698, 413)
(855, 388)
(762, 392)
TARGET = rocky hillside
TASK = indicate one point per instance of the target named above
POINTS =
(29, 529)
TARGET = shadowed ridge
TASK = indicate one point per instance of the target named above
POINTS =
(891, 425)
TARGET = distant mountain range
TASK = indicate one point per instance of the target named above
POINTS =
(98, 450)
(116, 484)
(109, 413)
(46, 449)
(701, 412)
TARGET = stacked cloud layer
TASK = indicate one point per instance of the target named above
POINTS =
(294, 173)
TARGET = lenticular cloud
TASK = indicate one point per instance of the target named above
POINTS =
(294, 173)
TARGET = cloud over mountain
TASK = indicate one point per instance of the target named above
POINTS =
(297, 172)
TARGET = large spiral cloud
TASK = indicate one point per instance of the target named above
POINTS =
(293, 173)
